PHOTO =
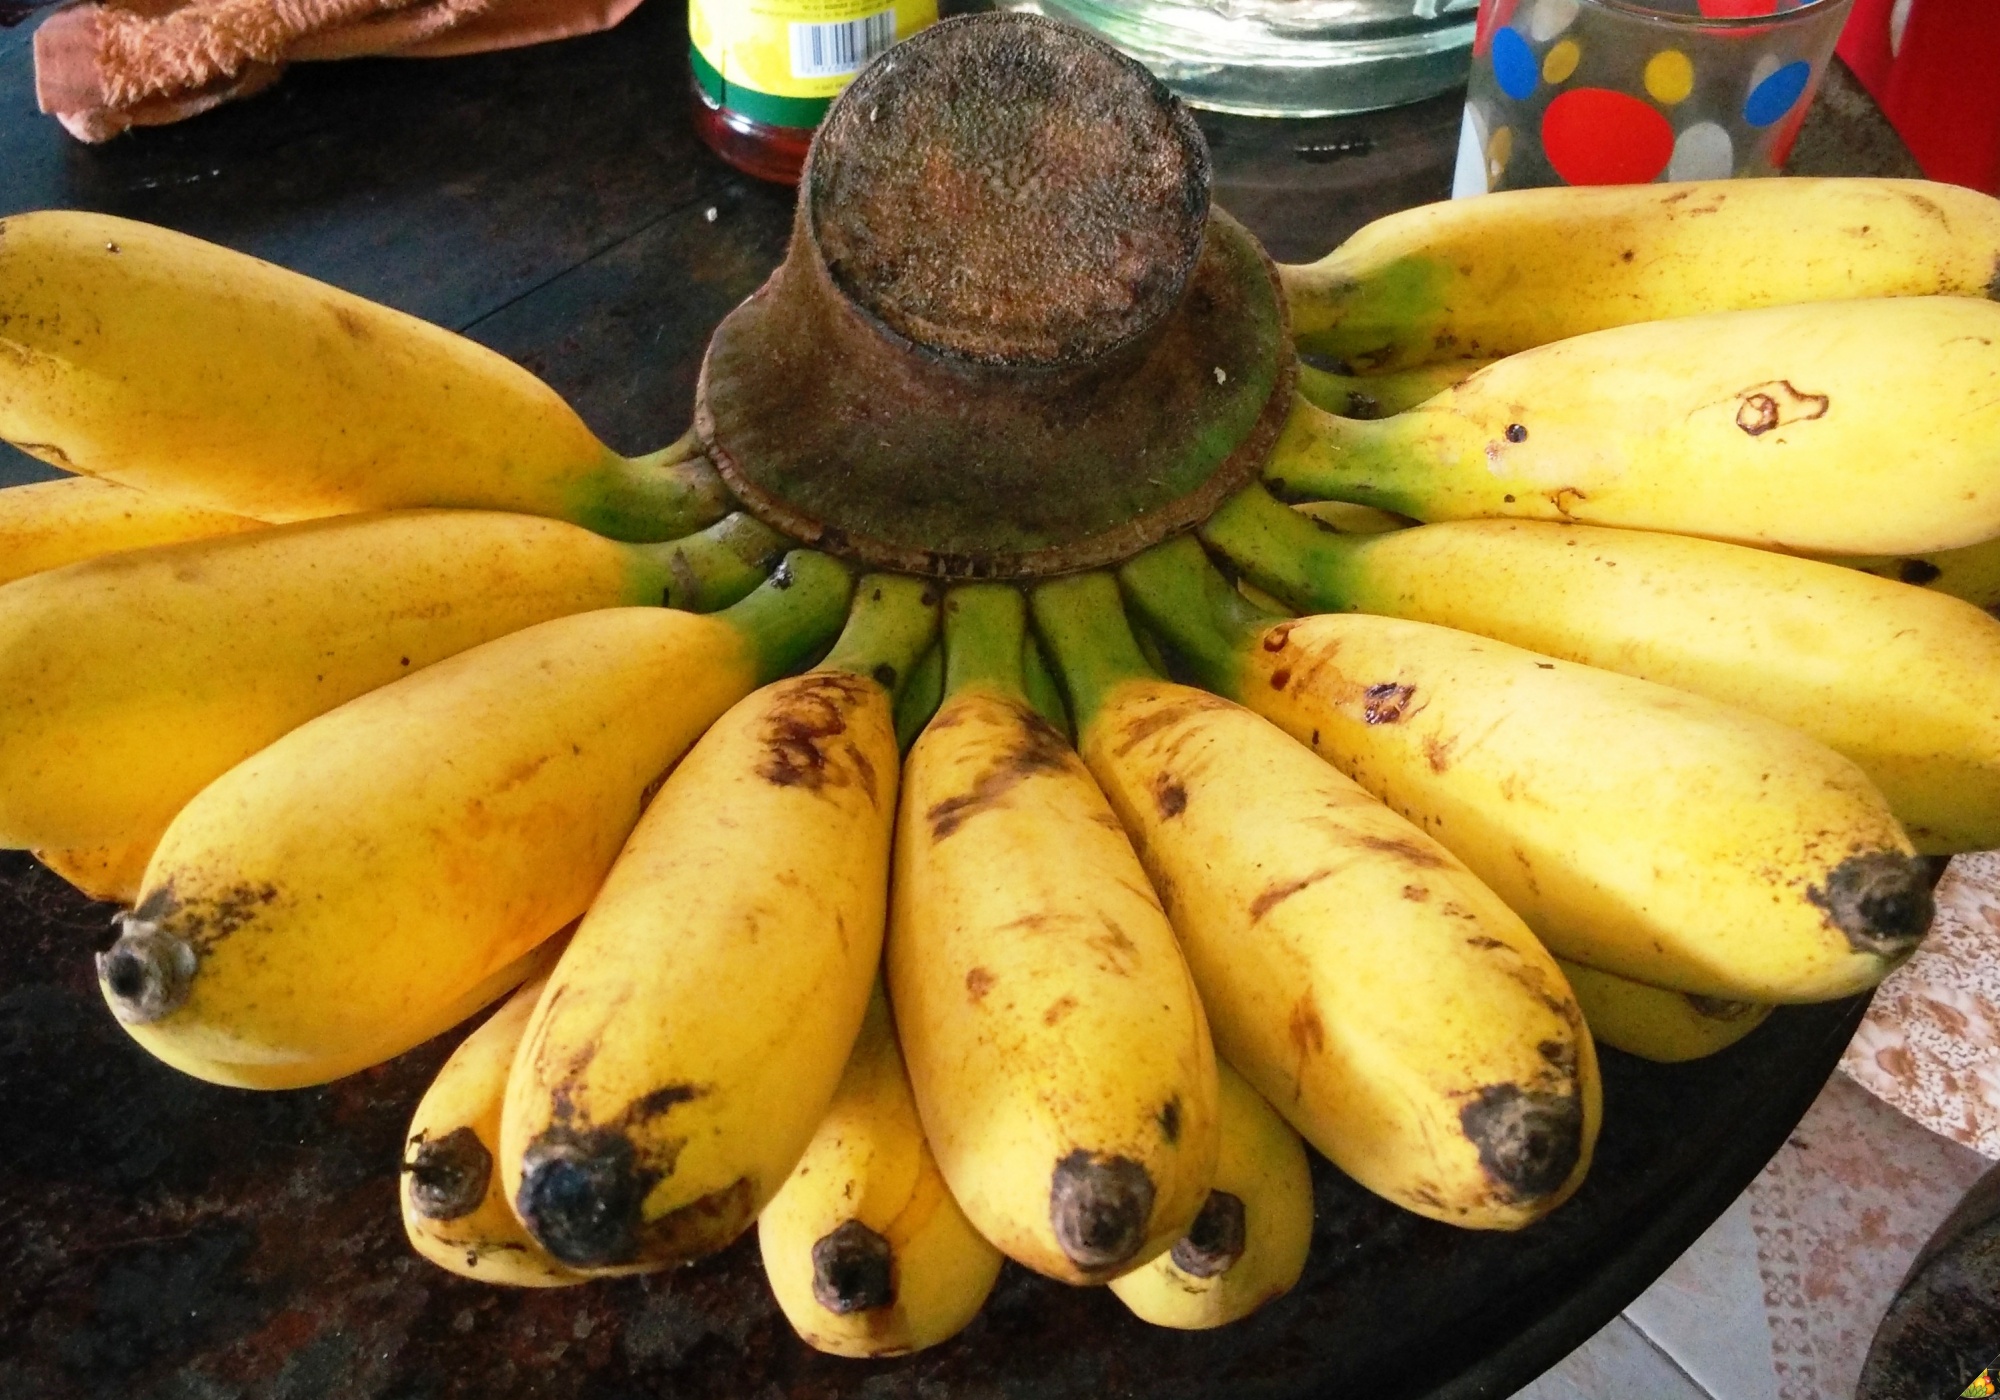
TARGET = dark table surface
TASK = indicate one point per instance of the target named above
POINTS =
(162, 1239)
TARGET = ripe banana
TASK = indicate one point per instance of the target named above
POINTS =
(1637, 829)
(1843, 427)
(300, 1074)
(1501, 274)
(47, 524)
(1381, 997)
(1250, 1242)
(1055, 1043)
(1381, 395)
(865, 1249)
(1656, 1024)
(640, 1124)
(129, 683)
(109, 873)
(454, 1210)
(324, 897)
(1904, 682)
(180, 367)
(1971, 572)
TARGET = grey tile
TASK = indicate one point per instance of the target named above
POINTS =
(1616, 1364)
(1707, 1312)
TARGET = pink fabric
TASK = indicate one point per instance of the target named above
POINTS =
(105, 66)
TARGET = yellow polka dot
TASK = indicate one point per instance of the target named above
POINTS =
(1498, 149)
(1561, 61)
(1669, 76)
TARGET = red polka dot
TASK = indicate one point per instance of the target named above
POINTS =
(1493, 15)
(1594, 136)
(1736, 9)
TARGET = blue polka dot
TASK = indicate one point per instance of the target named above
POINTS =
(1514, 64)
(1774, 97)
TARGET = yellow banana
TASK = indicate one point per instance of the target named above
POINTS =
(1656, 1024)
(865, 1249)
(47, 524)
(1971, 572)
(1904, 682)
(1638, 829)
(131, 682)
(1500, 274)
(183, 368)
(454, 1210)
(303, 1073)
(1250, 1242)
(323, 898)
(1839, 427)
(1055, 1043)
(641, 1125)
(1381, 395)
(109, 873)
(1381, 997)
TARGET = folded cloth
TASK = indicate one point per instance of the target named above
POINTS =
(106, 66)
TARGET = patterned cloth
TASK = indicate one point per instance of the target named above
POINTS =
(1931, 1043)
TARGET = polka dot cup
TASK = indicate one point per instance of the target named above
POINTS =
(1625, 92)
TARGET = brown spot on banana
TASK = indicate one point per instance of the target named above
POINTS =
(1528, 1141)
(1404, 849)
(1719, 1008)
(1169, 1119)
(702, 1226)
(1058, 1009)
(1038, 748)
(1169, 796)
(1387, 702)
(808, 712)
(1147, 725)
(1099, 1206)
(853, 1270)
(978, 983)
(1776, 404)
(1881, 901)
(1216, 1240)
(449, 1174)
(1279, 891)
(1437, 752)
(1281, 678)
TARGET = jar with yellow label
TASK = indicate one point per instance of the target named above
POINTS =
(765, 71)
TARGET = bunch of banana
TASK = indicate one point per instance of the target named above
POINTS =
(1056, 929)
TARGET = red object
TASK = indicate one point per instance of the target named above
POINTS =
(1938, 81)
(1736, 9)
(774, 153)
(1594, 136)
(1493, 14)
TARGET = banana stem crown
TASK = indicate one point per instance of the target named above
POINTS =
(1283, 551)
(790, 617)
(1082, 619)
(893, 623)
(1192, 608)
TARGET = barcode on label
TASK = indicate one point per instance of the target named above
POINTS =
(828, 50)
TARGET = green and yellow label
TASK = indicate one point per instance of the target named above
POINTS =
(784, 61)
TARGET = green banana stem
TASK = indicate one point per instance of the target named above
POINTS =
(717, 566)
(920, 697)
(1206, 624)
(893, 623)
(1043, 692)
(789, 618)
(660, 496)
(1381, 395)
(1285, 552)
(985, 628)
(1082, 618)
(1320, 456)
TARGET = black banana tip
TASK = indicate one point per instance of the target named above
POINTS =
(1099, 1207)
(147, 974)
(853, 1270)
(449, 1174)
(1528, 1142)
(580, 1197)
(1215, 1241)
(1881, 900)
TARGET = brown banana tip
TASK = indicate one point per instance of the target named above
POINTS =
(1881, 900)
(1099, 1207)
(1528, 1142)
(1720, 1008)
(853, 1270)
(580, 1195)
(449, 1174)
(147, 974)
(1215, 1241)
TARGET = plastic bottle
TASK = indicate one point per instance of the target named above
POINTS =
(766, 70)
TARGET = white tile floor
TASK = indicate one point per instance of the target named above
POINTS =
(1779, 1300)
